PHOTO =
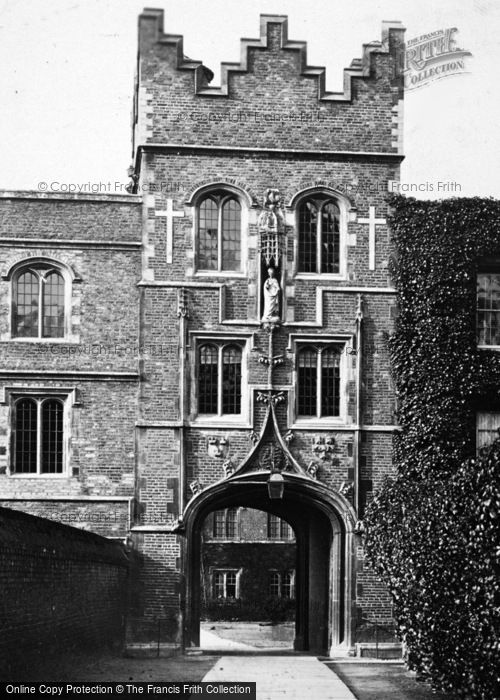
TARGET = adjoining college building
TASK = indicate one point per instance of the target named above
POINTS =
(217, 338)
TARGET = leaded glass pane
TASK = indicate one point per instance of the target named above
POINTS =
(330, 382)
(25, 456)
(274, 584)
(52, 437)
(285, 530)
(488, 308)
(287, 585)
(308, 233)
(330, 238)
(231, 380)
(26, 305)
(208, 235)
(307, 382)
(231, 235)
(207, 379)
(231, 584)
(219, 584)
(488, 428)
(53, 306)
(219, 523)
(273, 527)
(231, 522)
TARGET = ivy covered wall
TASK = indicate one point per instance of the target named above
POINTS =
(432, 531)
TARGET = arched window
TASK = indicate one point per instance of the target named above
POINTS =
(318, 381)
(219, 379)
(38, 303)
(219, 233)
(319, 235)
(38, 436)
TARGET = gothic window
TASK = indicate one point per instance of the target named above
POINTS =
(226, 523)
(219, 233)
(278, 529)
(319, 235)
(38, 434)
(225, 584)
(487, 428)
(488, 308)
(219, 379)
(318, 380)
(38, 303)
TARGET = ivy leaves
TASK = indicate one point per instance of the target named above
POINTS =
(432, 531)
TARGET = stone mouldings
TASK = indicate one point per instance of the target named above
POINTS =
(270, 451)
(392, 42)
(271, 225)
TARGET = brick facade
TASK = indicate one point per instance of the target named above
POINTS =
(61, 588)
(141, 308)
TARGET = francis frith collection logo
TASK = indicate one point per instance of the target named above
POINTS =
(432, 57)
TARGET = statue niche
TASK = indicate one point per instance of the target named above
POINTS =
(271, 292)
(271, 223)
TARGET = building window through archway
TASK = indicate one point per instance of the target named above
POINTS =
(225, 584)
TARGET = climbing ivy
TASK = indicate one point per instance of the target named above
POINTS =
(432, 530)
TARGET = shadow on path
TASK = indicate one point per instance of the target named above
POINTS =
(383, 681)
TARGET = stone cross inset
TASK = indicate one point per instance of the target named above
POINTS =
(372, 222)
(170, 213)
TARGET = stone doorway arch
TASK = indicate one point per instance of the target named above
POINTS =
(324, 525)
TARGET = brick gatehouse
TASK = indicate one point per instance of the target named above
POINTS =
(216, 339)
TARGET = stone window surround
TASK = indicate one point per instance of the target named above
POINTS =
(281, 575)
(249, 218)
(224, 570)
(69, 396)
(245, 341)
(227, 191)
(297, 341)
(71, 302)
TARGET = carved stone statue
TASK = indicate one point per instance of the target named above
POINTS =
(272, 291)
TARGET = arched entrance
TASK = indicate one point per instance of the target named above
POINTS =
(323, 522)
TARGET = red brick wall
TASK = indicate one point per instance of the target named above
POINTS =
(59, 587)
(178, 121)
(270, 104)
(126, 434)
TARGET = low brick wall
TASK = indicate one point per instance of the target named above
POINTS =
(60, 588)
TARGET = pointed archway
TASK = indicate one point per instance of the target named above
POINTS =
(324, 525)
(323, 522)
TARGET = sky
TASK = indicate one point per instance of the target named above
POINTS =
(68, 68)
